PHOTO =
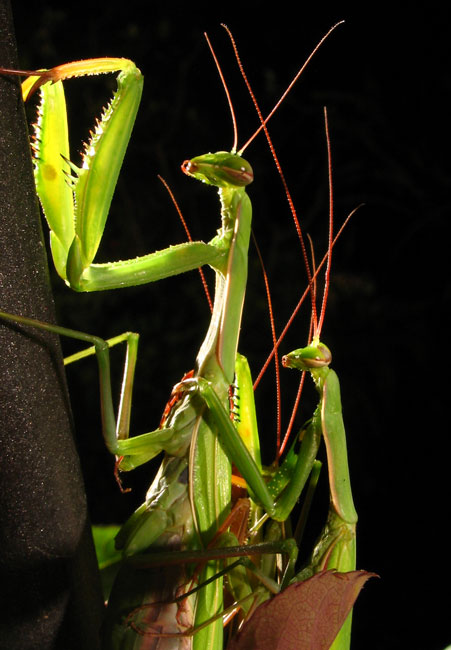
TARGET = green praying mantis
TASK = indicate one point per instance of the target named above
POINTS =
(189, 501)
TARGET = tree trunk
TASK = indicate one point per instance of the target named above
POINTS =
(49, 588)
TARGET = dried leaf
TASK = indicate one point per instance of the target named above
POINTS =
(306, 616)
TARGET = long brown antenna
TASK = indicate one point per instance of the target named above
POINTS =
(294, 411)
(278, 166)
(317, 332)
(276, 355)
(229, 100)
(291, 84)
(304, 295)
(188, 234)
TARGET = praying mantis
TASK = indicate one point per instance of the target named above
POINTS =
(197, 431)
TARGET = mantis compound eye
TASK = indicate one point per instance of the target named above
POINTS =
(187, 167)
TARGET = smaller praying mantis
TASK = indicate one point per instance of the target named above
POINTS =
(336, 548)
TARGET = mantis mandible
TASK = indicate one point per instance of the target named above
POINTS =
(75, 237)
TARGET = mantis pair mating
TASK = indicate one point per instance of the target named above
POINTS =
(186, 506)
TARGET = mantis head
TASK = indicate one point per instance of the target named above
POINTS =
(222, 169)
(315, 355)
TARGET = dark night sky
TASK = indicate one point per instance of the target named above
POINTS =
(385, 81)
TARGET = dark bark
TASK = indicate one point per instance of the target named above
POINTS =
(50, 595)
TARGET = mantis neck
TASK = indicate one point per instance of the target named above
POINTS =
(319, 376)
(219, 347)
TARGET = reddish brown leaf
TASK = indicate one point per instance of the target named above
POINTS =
(306, 616)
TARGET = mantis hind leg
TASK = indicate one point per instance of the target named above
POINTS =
(132, 451)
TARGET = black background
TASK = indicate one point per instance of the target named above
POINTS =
(385, 81)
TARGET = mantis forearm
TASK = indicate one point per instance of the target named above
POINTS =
(149, 268)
